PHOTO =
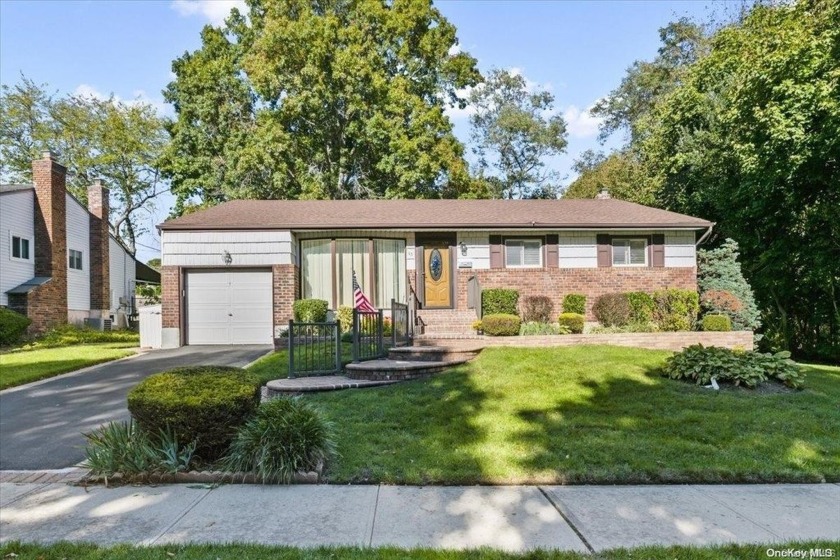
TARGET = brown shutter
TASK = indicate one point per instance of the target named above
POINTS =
(604, 250)
(657, 250)
(496, 257)
(551, 259)
(420, 274)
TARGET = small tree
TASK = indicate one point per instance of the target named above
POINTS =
(718, 270)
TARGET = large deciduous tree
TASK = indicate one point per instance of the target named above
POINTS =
(320, 99)
(621, 173)
(515, 132)
(107, 139)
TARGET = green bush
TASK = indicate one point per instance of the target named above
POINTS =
(537, 309)
(574, 303)
(536, 328)
(68, 335)
(718, 270)
(675, 309)
(310, 310)
(700, 364)
(204, 404)
(285, 436)
(122, 447)
(612, 310)
(572, 321)
(345, 318)
(499, 300)
(717, 323)
(501, 324)
(641, 307)
(12, 326)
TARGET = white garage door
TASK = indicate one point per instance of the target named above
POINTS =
(229, 307)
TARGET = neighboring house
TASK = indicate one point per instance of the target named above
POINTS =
(59, 261)
(231, 272)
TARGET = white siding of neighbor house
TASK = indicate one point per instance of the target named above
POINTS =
(577, 249)
(78, 238)
(16, 218)
(246, 248)
(680, 249)
(121, 273)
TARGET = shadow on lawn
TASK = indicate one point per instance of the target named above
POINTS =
(654, 430)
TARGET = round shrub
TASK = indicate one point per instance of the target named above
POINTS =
(12, 326)
(499, 300)
(641, 307)
(285, 436)
(345, 318)
(612, 310)
(574, 303)
(675, 309)
(574, 321)
(310, 310)
(201, 404)
(501, 324)
(717, 323)
(537, 309)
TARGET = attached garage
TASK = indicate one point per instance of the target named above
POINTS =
(229, 307)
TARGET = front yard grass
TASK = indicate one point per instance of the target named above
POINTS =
(65, 550)
(586, 414)
(26, 364)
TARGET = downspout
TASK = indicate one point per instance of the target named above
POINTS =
(705, 235)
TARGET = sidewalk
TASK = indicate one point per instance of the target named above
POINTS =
(581, 518)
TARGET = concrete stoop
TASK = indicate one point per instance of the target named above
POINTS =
(398, 370)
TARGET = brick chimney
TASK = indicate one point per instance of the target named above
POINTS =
(46, 305)
(603, 194)
(100, 283)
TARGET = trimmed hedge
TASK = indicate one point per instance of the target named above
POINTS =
(573, 321)
(713, 322)
(496, 301)
(501, 324)
(574, 303)
(612, 310)
(641, 307)
(537, 309)
(12, 326)
(345, 318)
(675, 310)
(201, 404)
(310, 310)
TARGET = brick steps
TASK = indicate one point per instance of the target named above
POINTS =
(446, 321)
(397, 370)
(434, 353)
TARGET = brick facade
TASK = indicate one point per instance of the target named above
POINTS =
(170, 297)
(100, 275)
(286, 289)
(46, 305)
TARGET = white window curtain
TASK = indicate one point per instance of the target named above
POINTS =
(629, 252)
(317, 269)
(523, 253)
(390, 271)
(352, 254)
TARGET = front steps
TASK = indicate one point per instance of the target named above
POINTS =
(397, 370)
(424, 353)
(445, 322)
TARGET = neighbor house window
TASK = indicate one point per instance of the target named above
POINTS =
(21, 248)
(629, 252)
(523, 253)
(74, 260)
(379, 265)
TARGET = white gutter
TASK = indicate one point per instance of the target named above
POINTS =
(705, 235)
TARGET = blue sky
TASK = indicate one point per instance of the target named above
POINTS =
(579, 50)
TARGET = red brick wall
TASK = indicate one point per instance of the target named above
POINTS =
(592, 282)
(170, 282)
(100, 277)
(46, 305)
(286, 286)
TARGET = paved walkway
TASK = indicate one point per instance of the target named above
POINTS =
(41, 423)
(582, 518)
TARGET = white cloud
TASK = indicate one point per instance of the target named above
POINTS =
(215, 11)
(581, 124)
(455, 49)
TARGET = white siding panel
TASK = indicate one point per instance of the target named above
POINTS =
(578, 250)
(207, 248)
(17, 211)
(478, 249)
(121, 273)
(78, 238)
(680, 250)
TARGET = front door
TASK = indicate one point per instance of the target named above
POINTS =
(437, 277)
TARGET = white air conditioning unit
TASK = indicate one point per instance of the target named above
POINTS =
(98, 323)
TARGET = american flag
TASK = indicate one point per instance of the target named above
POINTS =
(361, 302)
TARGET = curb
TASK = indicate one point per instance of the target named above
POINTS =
(69, 475)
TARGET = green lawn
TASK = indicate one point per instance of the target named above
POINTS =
(71, 551)
(276, 365)
(26, 364)
(581, 415)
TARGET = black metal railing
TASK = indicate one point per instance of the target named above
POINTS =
(400, 324)
(314, 349)
(368, 332)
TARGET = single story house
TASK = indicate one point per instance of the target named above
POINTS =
(59, 261)
(232, 272)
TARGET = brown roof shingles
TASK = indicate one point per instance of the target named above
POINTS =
(431, 214)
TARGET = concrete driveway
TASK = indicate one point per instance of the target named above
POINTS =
(41, 425)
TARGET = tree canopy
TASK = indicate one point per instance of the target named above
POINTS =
(320, 99)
